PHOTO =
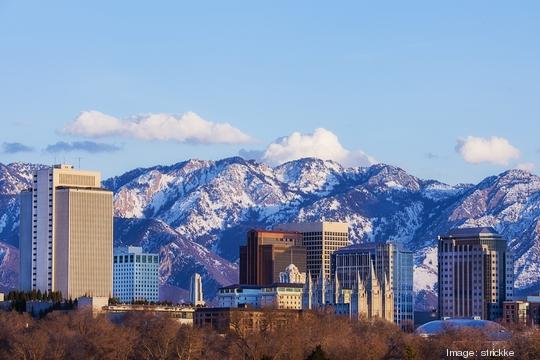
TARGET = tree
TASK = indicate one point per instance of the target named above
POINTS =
(317, 354)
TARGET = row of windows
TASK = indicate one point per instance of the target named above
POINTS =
(136, 258)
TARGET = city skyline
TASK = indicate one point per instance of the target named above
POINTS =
(425, 87)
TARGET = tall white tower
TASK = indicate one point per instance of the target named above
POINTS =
(195, 290)
(66, 234)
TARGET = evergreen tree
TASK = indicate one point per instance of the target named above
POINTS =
(318, 354)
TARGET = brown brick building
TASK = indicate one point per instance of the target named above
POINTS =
(267, 253)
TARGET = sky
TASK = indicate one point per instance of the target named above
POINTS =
(448, 91)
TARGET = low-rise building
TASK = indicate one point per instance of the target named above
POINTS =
(38, 307)
(516, 312)
(95, 303)
(276, 296)
(182, 314)
(526, 312)
(243, 319)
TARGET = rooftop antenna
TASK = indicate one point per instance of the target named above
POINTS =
(79, 158)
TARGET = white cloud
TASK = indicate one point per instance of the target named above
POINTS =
(188, 127)
(526, 166)
(495, 150)
(322, 144)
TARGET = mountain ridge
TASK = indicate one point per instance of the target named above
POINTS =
(210, 204)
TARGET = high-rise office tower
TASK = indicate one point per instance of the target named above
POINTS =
(135, 274)
(476, 273)
(66, 233)
(267, 253)
(320, 239)
(195, 290)
(391, 262)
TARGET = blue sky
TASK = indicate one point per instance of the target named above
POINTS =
(405, 83)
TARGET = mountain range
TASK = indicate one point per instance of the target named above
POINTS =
(195, 214)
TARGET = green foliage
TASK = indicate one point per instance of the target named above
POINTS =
(19, 298)
(410, 354)
(114, 301)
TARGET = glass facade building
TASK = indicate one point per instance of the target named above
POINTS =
(391, 262)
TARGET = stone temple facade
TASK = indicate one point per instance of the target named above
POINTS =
(369, 298)
(292, 275)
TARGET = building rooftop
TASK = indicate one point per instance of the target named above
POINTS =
(486, 231)
(77, 187)
(368, 246)
(493, 330)
(125, 250)
(277, 231)
(245, 309)
(274, 285)
(331, 226)
(63, 166)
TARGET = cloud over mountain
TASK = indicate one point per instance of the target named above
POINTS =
(186, 128)
(495, 150)
(15, 147)
(526, 166)
(86, 146)
(322, 144)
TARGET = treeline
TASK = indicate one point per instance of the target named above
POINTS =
(20, 298)
(79, 335)
(36, 295)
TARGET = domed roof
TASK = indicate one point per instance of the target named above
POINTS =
(291, 268)
(492, 329)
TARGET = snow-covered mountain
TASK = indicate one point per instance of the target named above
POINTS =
(196, 213)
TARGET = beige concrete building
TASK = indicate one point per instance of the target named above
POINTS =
(476, 273)
(320, 239)
(67, 239)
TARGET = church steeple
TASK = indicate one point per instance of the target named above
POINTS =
(337, 289)
(308, 293)
(321, 289)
